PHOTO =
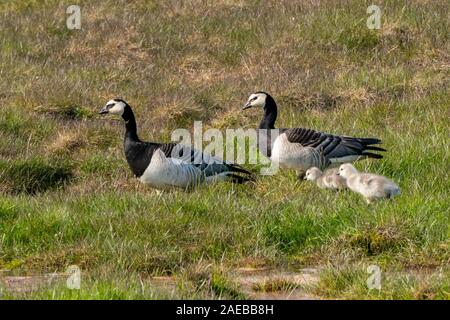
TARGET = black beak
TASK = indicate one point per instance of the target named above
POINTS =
(247, 106)
(104, 110)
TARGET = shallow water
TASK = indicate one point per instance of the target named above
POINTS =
(251, 280)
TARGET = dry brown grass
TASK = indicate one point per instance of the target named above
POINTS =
(66, 142)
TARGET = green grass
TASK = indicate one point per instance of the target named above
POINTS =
(67, 196)
(34, 175)
(350, 283)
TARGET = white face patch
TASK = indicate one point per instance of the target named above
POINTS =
(257, 100)
(118, 107)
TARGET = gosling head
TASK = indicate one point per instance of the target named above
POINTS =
(257, 99)
(346, 170)
(115, 106)
(313, 174)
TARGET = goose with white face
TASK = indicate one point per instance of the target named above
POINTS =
(303, 148)
(114, 106)
(169, 165)
(256, 100)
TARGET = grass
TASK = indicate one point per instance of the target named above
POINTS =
(275, 286)
(34, 175)
(350, 283)
(67, 196)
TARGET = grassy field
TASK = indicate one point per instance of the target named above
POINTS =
(67, 196)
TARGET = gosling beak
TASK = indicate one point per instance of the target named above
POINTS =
(104, 110)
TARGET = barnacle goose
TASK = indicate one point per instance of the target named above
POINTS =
(301, 149)
(371, 186)
(168, 165)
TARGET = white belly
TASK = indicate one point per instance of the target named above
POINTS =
(171, 173)
(294, 155)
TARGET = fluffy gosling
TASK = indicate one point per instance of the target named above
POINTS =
(371, 186)
(326, 180)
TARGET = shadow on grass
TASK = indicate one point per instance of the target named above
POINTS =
(34, 175)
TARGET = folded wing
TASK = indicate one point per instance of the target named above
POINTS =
(209, 166)
(335, 148)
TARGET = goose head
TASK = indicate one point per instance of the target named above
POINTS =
(258, 99)
(346, 170)
(264, 101)
(313, 174)
(115, 106)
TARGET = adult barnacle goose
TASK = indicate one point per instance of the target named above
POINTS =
(167, 165)
(301, 149)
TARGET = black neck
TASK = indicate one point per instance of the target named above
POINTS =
(130, 124)
(270, 114)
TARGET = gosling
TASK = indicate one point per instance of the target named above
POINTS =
(326, 180)
(371, 186)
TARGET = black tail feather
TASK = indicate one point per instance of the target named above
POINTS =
(238, 168)
(363, 146)
(374, 148)
(245, 174)
(368, 144)
(372, 155)
(369, 141)
(239, 179)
